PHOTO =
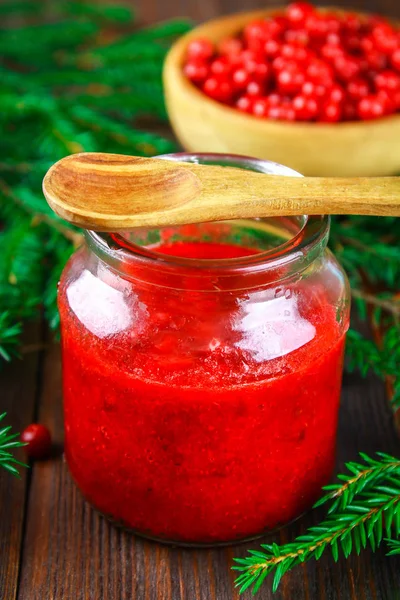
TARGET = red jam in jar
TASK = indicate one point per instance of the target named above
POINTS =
(202, 369)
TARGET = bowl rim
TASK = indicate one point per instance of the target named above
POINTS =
(174, 62)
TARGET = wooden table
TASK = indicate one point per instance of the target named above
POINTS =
(54, 547)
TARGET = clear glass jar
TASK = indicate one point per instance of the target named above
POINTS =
(202, 369)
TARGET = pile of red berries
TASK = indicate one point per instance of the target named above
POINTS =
(303, 65)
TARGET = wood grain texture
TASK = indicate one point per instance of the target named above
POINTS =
(115, 192)
(72, 553)
(360, 148)
(18, 395)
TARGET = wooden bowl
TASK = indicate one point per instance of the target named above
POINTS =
(204, 125)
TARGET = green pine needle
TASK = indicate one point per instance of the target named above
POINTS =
(363, 354)
(10, 333)
(65, 88)
(8, 443)
(394, 546)
(364, 507)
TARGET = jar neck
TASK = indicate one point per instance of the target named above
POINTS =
(280, 247)
(264, 268)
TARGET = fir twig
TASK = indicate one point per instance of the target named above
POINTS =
(365, 506)
(390, 305)
(8, 442)
(363, 354)
(10, 333)
(395, 547)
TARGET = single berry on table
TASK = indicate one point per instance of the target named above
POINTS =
(38, 440)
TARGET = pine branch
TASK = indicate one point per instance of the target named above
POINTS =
(361, 476)
(365, 506)
(8, 442)
(364, 355)
(10, 333)
(389, 304)
(395, 547)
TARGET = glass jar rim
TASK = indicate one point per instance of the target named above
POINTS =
(312, 233)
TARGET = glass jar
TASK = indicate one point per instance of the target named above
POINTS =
(202, 368)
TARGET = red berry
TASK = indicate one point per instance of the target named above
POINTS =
(367, 44)
(294, 52)
(388, 101)
(297, 36)
(306, 108)
(395, 59)
(331, 112)
(387, 80)
(261, 107)
(218, 88)
(279, 63)
(274, 99)
(245, 104)
(352, 42)
(221, 66)
(230, 47)
(333, 39)
(371, 107)
(349, 111)
(351, 22)
(200, 49)
(346, 67)
(320, 72)
(385, 38)
(250, 60)
(290, 79)
(358, 88)
(297, 13)
(272, 48)
(315, 90)
(318, 26)
(259, 70)
(287, 111)
(240, 78)
(38, 440)
(376, 61)
(275, 26)
(256, 34)
(281, 113)
(196, 71)
(336, 94)
(254, 88)
(331, 51)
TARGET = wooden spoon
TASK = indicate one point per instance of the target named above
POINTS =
(112, 192)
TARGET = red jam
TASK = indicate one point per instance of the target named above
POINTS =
(202, 419)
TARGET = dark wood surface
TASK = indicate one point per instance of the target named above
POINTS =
(54, 547)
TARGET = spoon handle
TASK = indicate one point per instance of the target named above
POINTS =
(244, 194)
(109, 192)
